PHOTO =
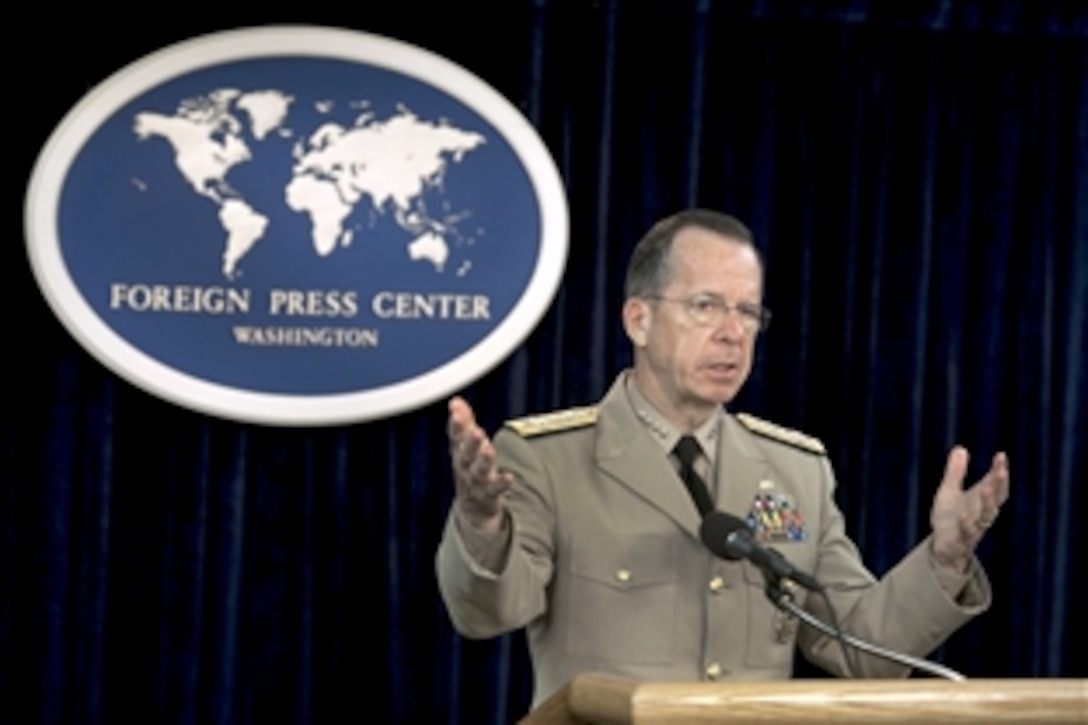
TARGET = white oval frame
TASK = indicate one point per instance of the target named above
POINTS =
(130, 363)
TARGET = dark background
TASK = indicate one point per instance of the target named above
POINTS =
(916, 177)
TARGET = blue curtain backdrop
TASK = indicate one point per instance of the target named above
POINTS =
(916, 174)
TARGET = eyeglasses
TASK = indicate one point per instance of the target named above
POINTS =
(710, 310)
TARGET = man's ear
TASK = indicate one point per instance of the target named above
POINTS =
(636, 320)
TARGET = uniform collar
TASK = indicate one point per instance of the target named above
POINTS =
(664, 432)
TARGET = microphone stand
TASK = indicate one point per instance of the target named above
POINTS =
(782, 599)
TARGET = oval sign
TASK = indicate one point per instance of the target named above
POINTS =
(296, 225)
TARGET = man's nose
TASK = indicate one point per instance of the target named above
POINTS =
(731, 326)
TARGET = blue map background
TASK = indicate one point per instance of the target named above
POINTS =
(111, 231)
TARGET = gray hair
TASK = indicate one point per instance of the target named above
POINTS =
(649, 270)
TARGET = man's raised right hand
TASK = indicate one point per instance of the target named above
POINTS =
(480, 486)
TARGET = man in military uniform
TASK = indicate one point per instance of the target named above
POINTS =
(576, 525)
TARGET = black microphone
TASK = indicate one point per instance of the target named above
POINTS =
(729, 537)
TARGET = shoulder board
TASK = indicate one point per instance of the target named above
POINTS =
(789, 436)
(560, 420)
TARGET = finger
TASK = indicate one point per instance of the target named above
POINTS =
(988, 507)
(470, 474)
(499, 483)
(471, 455)
(997, 477)
(992, 490)
(463, 439)
(955, 469)
(969, 526)
(463, 432)
(999, 474)
(487, 493)
(481, 460)
(461, 417)
(469, 443)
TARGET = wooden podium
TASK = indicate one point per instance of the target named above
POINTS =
(602, 699)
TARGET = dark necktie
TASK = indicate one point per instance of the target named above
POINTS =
(687, 450)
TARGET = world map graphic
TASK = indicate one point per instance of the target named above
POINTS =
(392, 164)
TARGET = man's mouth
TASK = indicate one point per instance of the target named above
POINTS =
(724, 367)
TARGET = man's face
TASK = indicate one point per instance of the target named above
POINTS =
(684, 367)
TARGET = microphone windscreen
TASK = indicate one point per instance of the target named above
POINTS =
(715, 530)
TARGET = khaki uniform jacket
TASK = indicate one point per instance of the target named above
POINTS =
(605, 568)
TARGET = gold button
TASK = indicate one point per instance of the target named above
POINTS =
(623, 575)
(717, 584)
(713, 671)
